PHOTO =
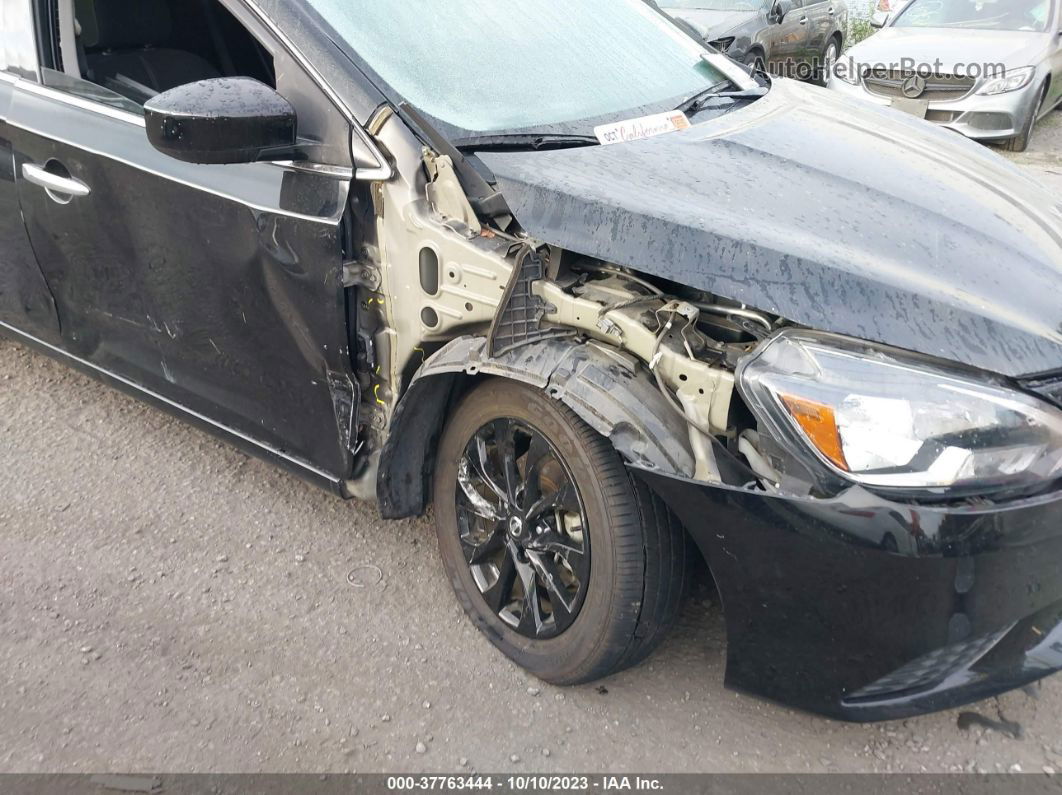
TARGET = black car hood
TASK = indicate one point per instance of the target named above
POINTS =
(832, 213)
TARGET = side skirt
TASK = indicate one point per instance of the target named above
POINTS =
(245, 443)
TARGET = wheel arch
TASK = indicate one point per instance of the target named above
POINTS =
(607, 389)
(757, 46)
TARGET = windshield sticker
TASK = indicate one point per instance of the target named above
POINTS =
(645, 127)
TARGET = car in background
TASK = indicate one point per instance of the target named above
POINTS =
(884, 10)
(989, 69)
(794, 38)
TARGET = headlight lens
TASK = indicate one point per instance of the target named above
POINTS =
(887, 419)
(1012, 80)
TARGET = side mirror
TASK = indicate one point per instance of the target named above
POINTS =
(223, 120)
(780, 9)
(879, 19)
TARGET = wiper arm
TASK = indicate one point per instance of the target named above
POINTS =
(693, 104)
(521, 141)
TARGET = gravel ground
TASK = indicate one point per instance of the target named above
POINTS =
(168, 604)
(1044, 156)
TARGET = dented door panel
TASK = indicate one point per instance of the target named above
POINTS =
(25, 298)
(218, 287)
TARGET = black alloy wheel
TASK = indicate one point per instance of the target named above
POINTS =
(563, 559)
(523, 528)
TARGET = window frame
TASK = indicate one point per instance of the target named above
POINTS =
(299, 76)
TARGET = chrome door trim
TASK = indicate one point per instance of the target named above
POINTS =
(320, 169)
(80, 102)
(172, 178)
(173, 404)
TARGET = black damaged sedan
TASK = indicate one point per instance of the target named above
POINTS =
(604, 299)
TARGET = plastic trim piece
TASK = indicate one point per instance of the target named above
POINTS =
(608, 389)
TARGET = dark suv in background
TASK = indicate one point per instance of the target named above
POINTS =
(795, 38)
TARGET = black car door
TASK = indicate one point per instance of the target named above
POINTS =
(26, 301)
(788, 41)
(215, 288)
(820, 16)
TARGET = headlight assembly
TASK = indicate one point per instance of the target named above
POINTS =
(1011, 80)
(891, 420)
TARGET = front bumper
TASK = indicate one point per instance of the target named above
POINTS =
(983, 118)
(863, 609)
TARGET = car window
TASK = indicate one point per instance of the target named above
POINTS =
(543, 62)
(121, 53)
(1030, 15)
(88, 90)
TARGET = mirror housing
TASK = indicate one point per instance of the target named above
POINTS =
(879, 19)
(222, 120)
(780, 9)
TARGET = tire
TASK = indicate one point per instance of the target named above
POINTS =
(754, 60)
(610, 614)
(1020, 142)
(829, 58)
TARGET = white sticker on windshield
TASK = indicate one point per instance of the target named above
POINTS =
(645, 127)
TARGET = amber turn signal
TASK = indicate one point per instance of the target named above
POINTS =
(818, 422)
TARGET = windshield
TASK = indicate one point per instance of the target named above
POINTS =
(714, 5)
(1031, 15)
(492, 65)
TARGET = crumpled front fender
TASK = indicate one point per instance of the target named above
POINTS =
(609, 390)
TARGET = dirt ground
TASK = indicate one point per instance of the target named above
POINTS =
(169, 604)
(1044, 156)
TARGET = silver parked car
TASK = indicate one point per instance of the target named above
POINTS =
(989, 69)
(794, 38)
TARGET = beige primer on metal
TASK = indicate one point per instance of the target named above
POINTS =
(424, 207)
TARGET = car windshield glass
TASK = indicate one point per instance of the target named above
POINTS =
(489, 65)
(714, 5)
(1031, 15)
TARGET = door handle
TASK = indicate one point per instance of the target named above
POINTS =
(57, 186)
(803, 20)
(830, 11)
